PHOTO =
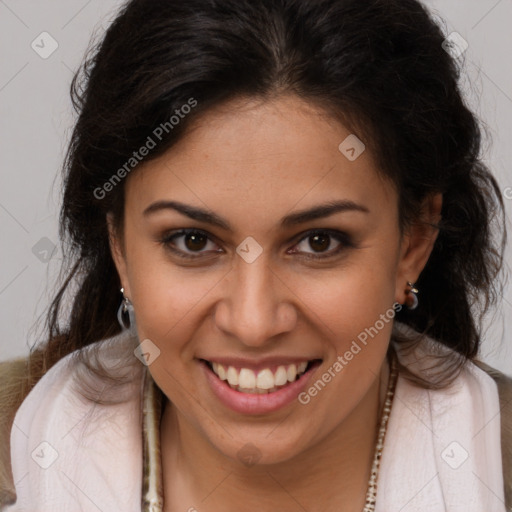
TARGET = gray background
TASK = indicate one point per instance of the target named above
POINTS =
(36, 117)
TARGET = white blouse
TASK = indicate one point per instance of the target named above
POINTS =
(442, 451)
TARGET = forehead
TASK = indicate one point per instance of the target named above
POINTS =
(255, 157)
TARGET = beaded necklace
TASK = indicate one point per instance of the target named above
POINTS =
(371, 493)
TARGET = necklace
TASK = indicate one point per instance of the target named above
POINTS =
(153, 400)
(371, 493)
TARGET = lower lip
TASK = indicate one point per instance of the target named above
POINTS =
(252, 403)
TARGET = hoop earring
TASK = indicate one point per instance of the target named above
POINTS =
(412, 301)
(125, 307)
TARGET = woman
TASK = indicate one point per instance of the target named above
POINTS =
(283, 242)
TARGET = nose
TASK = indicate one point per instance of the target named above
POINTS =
(256, 305)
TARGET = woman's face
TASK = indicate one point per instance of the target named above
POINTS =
(252, 288)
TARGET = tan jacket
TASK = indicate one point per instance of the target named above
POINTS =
(12, 394)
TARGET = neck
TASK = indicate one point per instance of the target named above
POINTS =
(196, 474)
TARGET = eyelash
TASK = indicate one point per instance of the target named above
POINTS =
(341, 237)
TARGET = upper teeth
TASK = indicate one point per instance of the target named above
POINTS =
(265, 379)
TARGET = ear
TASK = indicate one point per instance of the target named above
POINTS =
(118, 254)
(417, 245)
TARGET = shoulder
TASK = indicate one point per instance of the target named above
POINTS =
(486, 391)
(425, 355)
(21, 397)
(59, 402)
(503, 381)
(504, 384)
(12, 392)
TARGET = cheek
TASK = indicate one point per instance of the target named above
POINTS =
(354, 314)
(163, 295)
(351, 297)
(168, 302)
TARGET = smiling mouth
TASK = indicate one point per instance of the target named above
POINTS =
(264, 381)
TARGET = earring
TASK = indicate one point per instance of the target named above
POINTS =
(412, 299)
(125, 306)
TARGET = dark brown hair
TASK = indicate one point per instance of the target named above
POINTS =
(378, 65)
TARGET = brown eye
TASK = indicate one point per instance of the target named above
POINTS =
(323, 243)
(319, 243)
(195, 241)
(188, 243)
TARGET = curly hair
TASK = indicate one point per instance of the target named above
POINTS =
(380, 66)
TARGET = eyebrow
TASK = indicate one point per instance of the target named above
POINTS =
(300, 217)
